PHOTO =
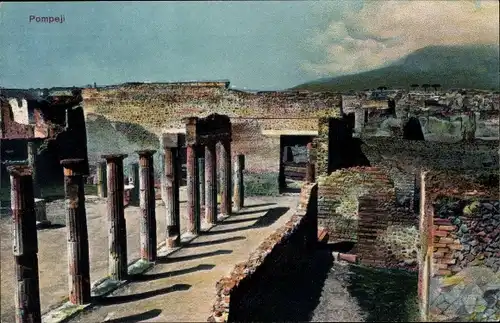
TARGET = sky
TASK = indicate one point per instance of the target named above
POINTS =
(262, 45)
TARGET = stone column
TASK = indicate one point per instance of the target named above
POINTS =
(239, 194)
(201, 179)
(193, 202)
(210, 183)
(32, 159)
(134, 194)
(310, 176)
(170, 187)
(77, 233)
(102, 188)
(226, 180)
(25, 245)
(116, 217)
(147, 204)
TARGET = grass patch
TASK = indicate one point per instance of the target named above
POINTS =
(261, 184)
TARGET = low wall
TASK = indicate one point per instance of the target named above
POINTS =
(465, 270)
(388, 236)
(236, 293)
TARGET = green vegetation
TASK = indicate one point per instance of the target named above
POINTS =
(259, 184)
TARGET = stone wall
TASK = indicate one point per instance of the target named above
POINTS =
(388, 236)
(410, 156)
(466, 260)
(450, 116)
(457, 279)
(338, 195)
(137, 113)
(237, 293)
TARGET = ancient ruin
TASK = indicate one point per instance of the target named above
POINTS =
(385, 182)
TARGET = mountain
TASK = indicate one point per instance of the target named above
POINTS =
(475, 66)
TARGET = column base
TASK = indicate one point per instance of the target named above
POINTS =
(173, 242)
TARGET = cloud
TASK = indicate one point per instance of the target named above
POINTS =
(383, 31)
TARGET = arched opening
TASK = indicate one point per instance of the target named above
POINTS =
(413, 130)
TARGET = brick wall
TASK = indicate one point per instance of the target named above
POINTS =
(338, 195)
(387, 235)
(238, 293)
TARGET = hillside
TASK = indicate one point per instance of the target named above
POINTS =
(451, 66)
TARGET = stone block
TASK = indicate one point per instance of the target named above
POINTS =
(444, 272)
(455, 246)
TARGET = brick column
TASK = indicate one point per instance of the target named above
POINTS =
(116, 217)
(147, 204)
(226, 180)
(170, 187)
(25, 245)
(239, 193)
(102, 188)
(134, 194)
(193, 202)
(210, 183)
(32, 157)
(310, 176)
(77, 233)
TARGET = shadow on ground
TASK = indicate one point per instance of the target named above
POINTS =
(384, 295)
(271, 216)
(136, 317)
(293, 292)
(173, 273)
(287, 294)
(113, 300)
(169, 259)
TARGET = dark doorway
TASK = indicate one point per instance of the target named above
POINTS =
(413, 130)
(344, 151)
(293, 161)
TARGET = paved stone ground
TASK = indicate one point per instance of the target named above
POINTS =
(188, 276)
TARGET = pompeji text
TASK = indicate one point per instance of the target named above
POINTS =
(47, 20)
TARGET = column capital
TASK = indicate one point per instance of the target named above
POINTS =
(73, 166)
(146, 152)
(20, 170)
(114, 157)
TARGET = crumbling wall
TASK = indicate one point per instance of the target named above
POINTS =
(244, 289)
(444, 116)
(459, 277)
(338, 198)
(388, 235)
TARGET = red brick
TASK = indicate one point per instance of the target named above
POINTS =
(447, 228)
(440, 233)
(438, 255)
(446, 240)
(448, 261)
